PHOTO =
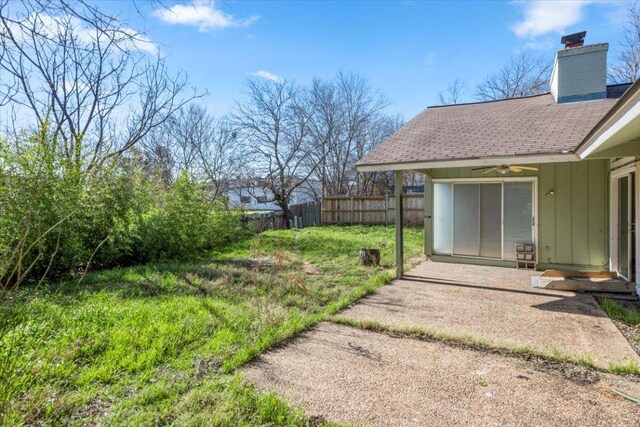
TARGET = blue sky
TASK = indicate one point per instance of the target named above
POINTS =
(409, 50)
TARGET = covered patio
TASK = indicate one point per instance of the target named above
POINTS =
(497, 306)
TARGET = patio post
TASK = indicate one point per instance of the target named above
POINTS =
(399, 217)
(428, 215)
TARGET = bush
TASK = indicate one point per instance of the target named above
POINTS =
(187, 222)
(40, 192)
(115, 215)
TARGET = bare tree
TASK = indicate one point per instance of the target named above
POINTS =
(455, 91)
(377, 183)
(100, 86)
(273, 127)
(627, 66)
(206, 146)
(525, 74)
(157, 154)
(346, 113)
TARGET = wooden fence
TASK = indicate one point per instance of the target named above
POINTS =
(263, 221)
(372, 210)
(304, 215)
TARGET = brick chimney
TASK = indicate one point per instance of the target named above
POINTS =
(579, 71)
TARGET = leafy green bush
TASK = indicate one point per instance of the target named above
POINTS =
(40, 192)
(186, 222)
(60, 217)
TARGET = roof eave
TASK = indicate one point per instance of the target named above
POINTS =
(522, 159)
(610, 123)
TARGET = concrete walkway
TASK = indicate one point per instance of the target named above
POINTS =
(348, 375)
(498, 305)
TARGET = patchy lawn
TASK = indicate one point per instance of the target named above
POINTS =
(626, 316)
(159, 344)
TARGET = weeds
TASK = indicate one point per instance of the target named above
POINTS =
(159, 344)
(467, 341)
(630, 368)
(618, 312)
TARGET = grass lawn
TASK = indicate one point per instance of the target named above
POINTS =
(617, 311)
(159, 344)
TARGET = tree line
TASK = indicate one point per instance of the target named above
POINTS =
(107, 157)
(282, 137)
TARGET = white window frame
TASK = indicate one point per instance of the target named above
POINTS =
(615, 175)
(534, 209)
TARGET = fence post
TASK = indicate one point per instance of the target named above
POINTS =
(386, 209)
(351, 209)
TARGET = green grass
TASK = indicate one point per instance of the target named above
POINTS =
(618, 312)
(159, 344)
(631, 368)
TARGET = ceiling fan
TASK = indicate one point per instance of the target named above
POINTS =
(504, 169)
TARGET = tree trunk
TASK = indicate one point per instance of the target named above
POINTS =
(286, 213)
(370, 257)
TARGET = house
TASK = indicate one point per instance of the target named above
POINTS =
(558, 170)
(257, 198)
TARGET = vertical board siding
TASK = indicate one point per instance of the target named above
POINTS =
(563, 212)
(572, 222)
(546, 213)
(579, 206)
(598, 218)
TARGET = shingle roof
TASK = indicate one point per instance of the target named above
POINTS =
(511, 127)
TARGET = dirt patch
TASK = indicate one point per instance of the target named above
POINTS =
(205, 366)
(582, 375)
(310, 269)
(259, 263)
(95, 409)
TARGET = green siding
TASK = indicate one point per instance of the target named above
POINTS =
(572, 222)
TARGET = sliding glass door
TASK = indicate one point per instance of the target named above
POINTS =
(482, 219)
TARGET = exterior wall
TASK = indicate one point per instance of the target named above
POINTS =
(298, 196)
(572, 213)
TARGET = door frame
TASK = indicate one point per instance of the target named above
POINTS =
(498, 180)
(615, 175)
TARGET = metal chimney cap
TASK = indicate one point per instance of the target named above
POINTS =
(573, 40)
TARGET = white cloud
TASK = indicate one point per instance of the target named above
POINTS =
(202, 14)
(267, 75)
(141, 41)
(544, 17)
(53, 27)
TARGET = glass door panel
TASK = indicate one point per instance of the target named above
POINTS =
(623, 226)
(442, 218)
(466, 224)
(484, 219)
(518, 216)
(491, 220)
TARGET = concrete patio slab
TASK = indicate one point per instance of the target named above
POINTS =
(499, 305)
(348, 375)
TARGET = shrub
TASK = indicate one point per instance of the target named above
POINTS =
(114, 215)
(40, 192)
